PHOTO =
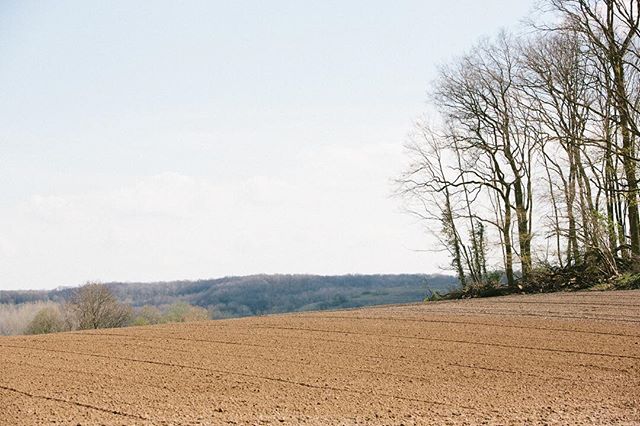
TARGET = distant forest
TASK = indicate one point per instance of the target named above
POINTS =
(262, 294)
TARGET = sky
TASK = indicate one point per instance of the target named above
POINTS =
(164, 140)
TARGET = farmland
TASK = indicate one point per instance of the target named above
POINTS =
(563, 357)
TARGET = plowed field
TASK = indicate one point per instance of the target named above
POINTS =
(568, 358)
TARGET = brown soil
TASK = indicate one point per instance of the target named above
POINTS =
(571, 358)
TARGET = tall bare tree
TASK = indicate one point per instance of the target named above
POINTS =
(480, 96)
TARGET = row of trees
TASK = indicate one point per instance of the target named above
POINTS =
(226, 297)
(253, 295)
(533, 154)
(93, 306)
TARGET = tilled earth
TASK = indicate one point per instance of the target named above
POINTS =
(564, 358)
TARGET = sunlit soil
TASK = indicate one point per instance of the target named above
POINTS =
(571, 358)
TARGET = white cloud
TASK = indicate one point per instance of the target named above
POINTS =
(330, 214)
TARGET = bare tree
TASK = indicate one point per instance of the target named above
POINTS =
(426, 185)
(480, 97)
(96, 307)
(558, 89)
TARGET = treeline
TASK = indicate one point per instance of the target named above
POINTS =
(269, 294)
(92, 306)
(234, 296)
(529, 167)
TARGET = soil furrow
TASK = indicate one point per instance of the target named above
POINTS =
(473, 323)
(78, 404)
(465, 342)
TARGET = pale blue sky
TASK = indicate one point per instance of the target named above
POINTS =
(166, 140)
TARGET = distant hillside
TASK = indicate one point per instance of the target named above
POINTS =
(264, 294)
